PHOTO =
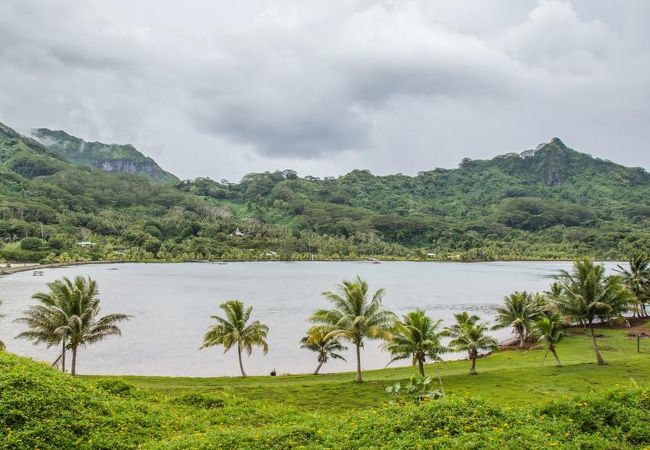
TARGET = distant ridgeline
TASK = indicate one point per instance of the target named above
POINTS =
(64, 199)
(108, 157)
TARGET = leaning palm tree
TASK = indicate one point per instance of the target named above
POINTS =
(589, 296)
(470, 336)
(355, 317)
(416, 337)
(46, 321)
(519, 311)
(549, 330)
(318, 340)
(637, 279)
(235, 329)
(71, 312)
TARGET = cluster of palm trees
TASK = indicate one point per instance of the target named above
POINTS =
(584, 296)
(68, 316)
(355, 317)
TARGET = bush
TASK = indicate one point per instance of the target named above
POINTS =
(116, 386)
(200, 400)
(32, 244)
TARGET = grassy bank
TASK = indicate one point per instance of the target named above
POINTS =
(514, 402)
(506, 378)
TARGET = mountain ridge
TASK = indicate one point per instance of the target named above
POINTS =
(551, 202)
(108, 157)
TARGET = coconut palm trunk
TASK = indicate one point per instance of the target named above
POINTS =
(73, 370)
(241, 366)
(599, 358)
(554, 353)
(421, 365)
(472, 357)
(358, 378)
(63, 352)
(522, 336)
(320, 364)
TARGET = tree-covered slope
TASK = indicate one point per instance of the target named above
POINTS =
(108, 157)
(552, 202)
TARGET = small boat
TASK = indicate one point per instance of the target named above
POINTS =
(37, 273)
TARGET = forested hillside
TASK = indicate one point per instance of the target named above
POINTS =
(552, 202)
(108, 157)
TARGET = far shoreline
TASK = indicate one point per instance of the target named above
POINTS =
(27, 267)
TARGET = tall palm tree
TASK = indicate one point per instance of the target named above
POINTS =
(519, 311)
(70, 311)
(235, 329)
(637, 279)
(355, 317)
(549, 331)
(588, 295)
(318, 340)
(417, 337)
(468, 334)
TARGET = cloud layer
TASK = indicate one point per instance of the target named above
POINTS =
(222, 89)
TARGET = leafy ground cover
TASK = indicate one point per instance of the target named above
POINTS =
(514, 402)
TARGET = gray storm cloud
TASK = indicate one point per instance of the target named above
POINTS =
(222, 89)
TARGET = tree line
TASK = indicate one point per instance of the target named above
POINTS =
(68, 315)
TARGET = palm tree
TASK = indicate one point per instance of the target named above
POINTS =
(588, 295)
(416, 337)
(549, 331)
(70, 311)
(317, 340)
(47, 320)
(519, 311)
(354, 317)
(235, 329)
(470, 335)
(637, 279)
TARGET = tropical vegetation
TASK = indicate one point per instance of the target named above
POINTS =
(519, 311)
(637, 280)
(326, 346)
(469, 335)
(589, 296)
(355, 317)
(236, 329)
(549, 331)
(549, 203)
(417, 337)
(69, 315)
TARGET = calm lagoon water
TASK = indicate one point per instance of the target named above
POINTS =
(171, 306)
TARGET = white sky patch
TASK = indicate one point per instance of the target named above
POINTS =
(221, 89)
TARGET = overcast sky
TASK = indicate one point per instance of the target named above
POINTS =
(222, 88)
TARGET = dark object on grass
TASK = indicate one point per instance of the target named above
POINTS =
(273, 373)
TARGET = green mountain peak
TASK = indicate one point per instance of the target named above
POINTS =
(108, 157)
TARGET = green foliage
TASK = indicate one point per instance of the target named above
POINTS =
(417, 390)
(325, 345)
(469, 335)
(41, 408)
(235, 330)
(416, 337)
(32, 244)
(553, 203)
(355, 317)
(519, 311)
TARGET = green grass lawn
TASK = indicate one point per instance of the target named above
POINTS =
(507, 378)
